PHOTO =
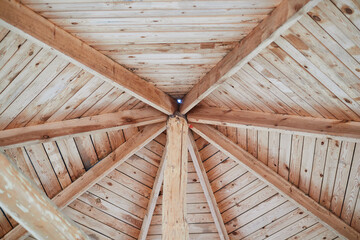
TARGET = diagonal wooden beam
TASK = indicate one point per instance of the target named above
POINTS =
(153, 198)
(26, 204)
(264, 173)
(347, 130)
(99, 171)
(75, 127)
(281, 18)
(205, 184)
(174, 224)
(14, 14)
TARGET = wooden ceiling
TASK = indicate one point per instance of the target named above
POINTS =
(167, 43)
(311, 70)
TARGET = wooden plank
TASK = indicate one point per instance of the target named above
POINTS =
(44, 169)
(57, 163)
(264, 173)
(295, 162)
(349, 130)
(205, 184)
(280, 19)
(100, 123)
(14, 14)
(174, 225)
(331, 164)
(153, 199)
(100, 170)
(352, 187)
(342, 174)
(307, 164)
(30, 205)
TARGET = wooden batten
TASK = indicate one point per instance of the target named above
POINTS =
(27, 205)
(17, 17)
(282, 18)
(99, 171)
(348, 130)
(284, 187)
(77, 127)
(174, 225)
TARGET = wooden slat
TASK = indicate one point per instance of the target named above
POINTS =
(14, 14)
(103, 168)
(153, 199)
(174, 225)
(100, 123)
(281, 18)
(205, 184)
(30, 205)
(273, 179)
(349, 130)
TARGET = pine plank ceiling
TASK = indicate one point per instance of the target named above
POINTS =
(311, 70)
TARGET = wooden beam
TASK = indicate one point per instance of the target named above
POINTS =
(14, 14)
(20, 198)
(205, 184)
(264, 173)
(174, 225)
(153, 198)
(280, 19)
(347, 130)
(100, 123)
(99, 171)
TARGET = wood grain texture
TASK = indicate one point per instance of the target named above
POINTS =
(97, 172)
(174, 224)
(76, 127)
(15, 15)
(205, 184)
(27, 204)
(153, 198)
(349, 130)
(267, 175)
(281, 18)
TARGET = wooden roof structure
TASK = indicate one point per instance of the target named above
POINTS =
(263, 144)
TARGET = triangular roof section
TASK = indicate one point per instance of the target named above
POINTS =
(278, 79)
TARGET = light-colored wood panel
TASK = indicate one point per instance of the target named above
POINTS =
(264, 173)
(83, 55)
(100, 170)
(279, 20)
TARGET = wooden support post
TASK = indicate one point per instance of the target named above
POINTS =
(205, 184)
(99, 171)
(153, 198)
(285, 188)
(31, 208)
(174, 225)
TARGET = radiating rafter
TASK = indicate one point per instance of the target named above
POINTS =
(205, 184)
(75, 127)
(349, 130)
(264, 173)
(153, 198)
(16, 16)
(30, 204)
(281, 18)
(98, 171)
